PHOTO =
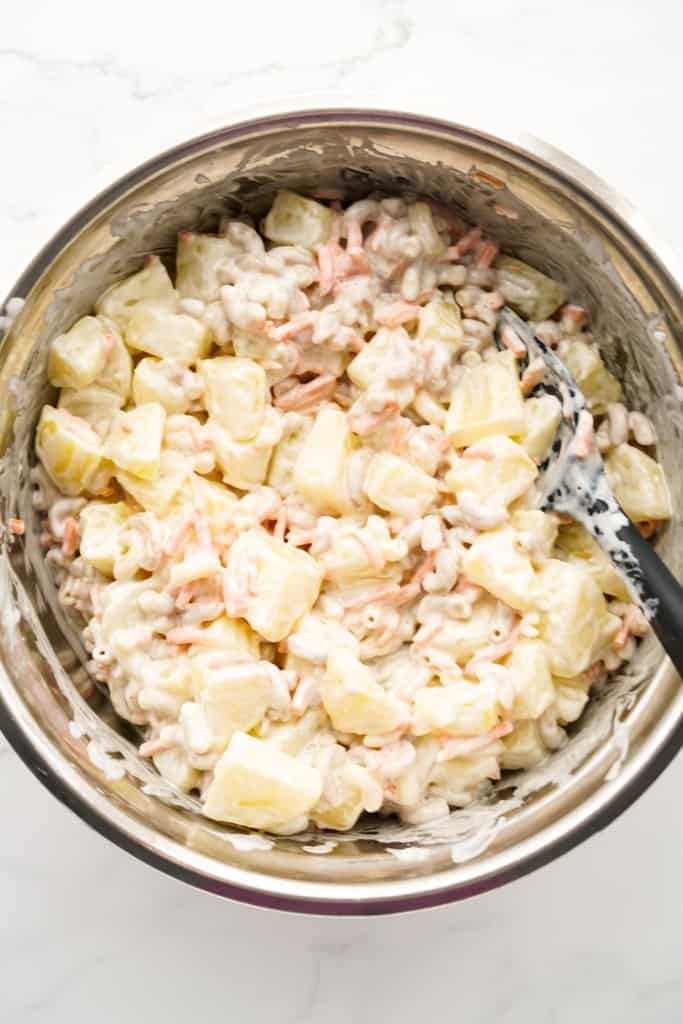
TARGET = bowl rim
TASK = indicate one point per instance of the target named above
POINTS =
(591, 815)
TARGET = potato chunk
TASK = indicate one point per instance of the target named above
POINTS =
(354, 699)
(486, 400)
(69, 450)
(387, 361)
(259, 787)
(157, 380)
(356, 791)
(590, 373)
(399, 487)
(524, 747)
(167, 335)
(151, 285)
(575, 543)
(460, 639)
(638, 483)
(533, 682)
(543, 414)
(244, 464)
(506, 471)
(496, 563)
(575, 622)
(320, 469)
(198, 261)
(458, 709)
(234, 698)
(96, 405)
(100, 524)
(296, 220)
(91, 352)
(532, 294)
(281, 584)
(235, 394)
(440, 321)
(158, 495)
(134, 440)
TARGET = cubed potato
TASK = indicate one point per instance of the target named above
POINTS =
(575, 622)
(534, 691)
(96, 405)
(286, 453)
(524, 747)
(505, 470)
(440, 321)
(217, 501)
(377, 363)
(235, 394)
(399, 487)
(157, 380)
(174, 766)
(542, 414)
(167, 335)
(201, 564)
(198, 262)
(100, 524)
(354, 699)
(259, 787)
(234, 698)
(576, 545)
(297, 220)
(422, 224)
(150, 285)
(571, 697)
(158, 495)
(590, 373)
(133, 443)
(283, 582)
(457, 780)
(458, 709)
(638, 483)
(355, 553)
(496, 563)
(537, 532)
(354, 786)
(320, 470)
(409, 788)
(244, 464)
(531, 294)
(227, 636)
(487, 400)
(91, 352)
(292, 737)
(69, 450)
(462, 638)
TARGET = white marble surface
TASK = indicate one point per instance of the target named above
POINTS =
(88, 934)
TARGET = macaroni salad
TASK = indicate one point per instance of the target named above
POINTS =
(290, 494)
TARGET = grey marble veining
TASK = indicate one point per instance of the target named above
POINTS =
(87, 933)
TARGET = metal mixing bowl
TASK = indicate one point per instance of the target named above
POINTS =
(542, 207)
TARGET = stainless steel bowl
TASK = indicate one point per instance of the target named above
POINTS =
(545, 209)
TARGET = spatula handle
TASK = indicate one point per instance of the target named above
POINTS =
(664, 592)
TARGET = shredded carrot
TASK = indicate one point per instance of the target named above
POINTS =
(512, 341)
(466, 243)
(70, 540)
(183, 636)
(397, 313)
(494, 652)
(486, 254)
